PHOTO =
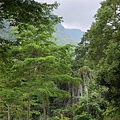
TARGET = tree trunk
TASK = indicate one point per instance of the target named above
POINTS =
(28, 114)
(44, 110)
(85, 88)
(69, 90)
(80, 90)
(8, 107)
(73, 95)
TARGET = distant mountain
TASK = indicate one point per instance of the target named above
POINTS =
(63, 35)
(74, 33)
(6, 32)
(67, 36)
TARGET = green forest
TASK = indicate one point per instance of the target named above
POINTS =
(41, 80)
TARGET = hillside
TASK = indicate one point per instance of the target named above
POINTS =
(63, 36)
(67, 36)
(75, 34)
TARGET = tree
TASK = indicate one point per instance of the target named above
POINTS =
(39, 69)
(81, 51)
(103, 50)
(21, 12)
(91, 104)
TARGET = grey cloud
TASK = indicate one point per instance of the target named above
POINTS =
(76, 13)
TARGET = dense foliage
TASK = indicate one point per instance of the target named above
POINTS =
(42, 80)
(21, 12)
(104, 52)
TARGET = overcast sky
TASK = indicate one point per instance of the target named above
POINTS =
(76, 13)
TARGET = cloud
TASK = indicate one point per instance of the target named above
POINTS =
(76, 13)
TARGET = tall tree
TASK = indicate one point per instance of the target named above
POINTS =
(21, 12)
(104, 48)
(39, 69)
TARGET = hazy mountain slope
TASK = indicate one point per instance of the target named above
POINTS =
(6, 32)
(63, 36)
(74, 33)
(67, 36)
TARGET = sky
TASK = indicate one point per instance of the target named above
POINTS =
(76, 13)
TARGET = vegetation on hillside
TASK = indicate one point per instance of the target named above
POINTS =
(67, 36)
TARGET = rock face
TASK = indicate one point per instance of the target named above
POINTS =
(67, 36)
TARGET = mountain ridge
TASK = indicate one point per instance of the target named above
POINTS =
(67, 36)
(63, 35)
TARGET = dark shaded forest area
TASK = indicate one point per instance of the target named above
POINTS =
(41, 80)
